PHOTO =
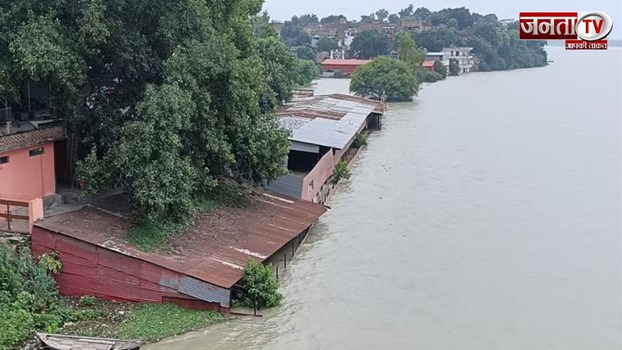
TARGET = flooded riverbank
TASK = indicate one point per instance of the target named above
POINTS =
(485, 215)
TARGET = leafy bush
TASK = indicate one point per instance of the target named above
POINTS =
(341, 171)
(28, 297)
(360, 140)
(259, 285)
(440, 68)
(51, 263)
(454, 68)
(426, 76)
(87, 300)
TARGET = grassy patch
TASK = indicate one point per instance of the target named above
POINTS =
(151, 235)
(148, 322)
(153, 322)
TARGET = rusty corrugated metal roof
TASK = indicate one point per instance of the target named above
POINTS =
(216, 248)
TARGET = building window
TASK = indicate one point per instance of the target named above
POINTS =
(4, 160)
(36, 151)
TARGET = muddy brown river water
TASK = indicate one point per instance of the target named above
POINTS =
(484, 216)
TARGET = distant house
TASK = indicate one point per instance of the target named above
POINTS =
(323, 129)
(428, 65)
(32, 154)
(463, 56)
(414, 26)
(347, 67)
(437, 56)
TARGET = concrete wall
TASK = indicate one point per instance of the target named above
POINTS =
(312, 183)
(26, 177)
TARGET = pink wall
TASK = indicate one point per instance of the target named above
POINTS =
(25, 177)
(312, 183)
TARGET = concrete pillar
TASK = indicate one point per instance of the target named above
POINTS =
(35, 212)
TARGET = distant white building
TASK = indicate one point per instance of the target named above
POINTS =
(462, 55)
(437, 56)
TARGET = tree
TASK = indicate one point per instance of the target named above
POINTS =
(307, 19)
(307, 72)
(408, 52)
(440, 68)
(454, 68)
(407, 12)
(259, 287)
(370, 44)
(306, 52)
(436, 39)
(261, 26)
(422, 14)
(281, 67)
(368, 18)
(385, 78)
(332, 19)
(382, 14)
(198, 91)
(394, 18)
(293, 34)
(326, 45)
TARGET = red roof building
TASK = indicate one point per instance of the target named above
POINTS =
(429, 65)
(200, 266)
(343, 66)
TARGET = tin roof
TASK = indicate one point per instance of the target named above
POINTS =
(215, 249)
(329, 120)
(428, 63)
(351, 62)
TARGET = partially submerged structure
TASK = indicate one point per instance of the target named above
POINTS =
(323, 131)
(199, 267)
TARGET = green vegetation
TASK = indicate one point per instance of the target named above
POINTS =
(425, 76)
(152, 322)
(259, 287)
(307, 72)
(408, 52)
(342, 172)
(440, 68)
(326, 45)
(454, 68)
(360, 140)
(28, 298)
(161, 98)
(87, 300)
(385, 78)
(369, 44)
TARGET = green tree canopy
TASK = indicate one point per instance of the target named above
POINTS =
(326, 45)
(382, 14)
(333, 19)
(307, 72)
(370, 44)
(385, 78)
(306, 52)
(165, 97)
(436, 39)
(408, 52)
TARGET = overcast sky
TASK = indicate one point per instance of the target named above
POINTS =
(353, 9)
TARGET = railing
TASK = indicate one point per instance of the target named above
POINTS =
(9, 216)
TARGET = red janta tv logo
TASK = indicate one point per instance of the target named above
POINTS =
(581, 30)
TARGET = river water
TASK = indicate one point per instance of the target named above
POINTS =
(485, 215)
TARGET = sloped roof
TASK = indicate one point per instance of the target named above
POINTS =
(215, 249)
(330, 120)
(351, 62)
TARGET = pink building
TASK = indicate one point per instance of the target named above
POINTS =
(27, 161)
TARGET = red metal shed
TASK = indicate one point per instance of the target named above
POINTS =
(200, 265)
(343, 66)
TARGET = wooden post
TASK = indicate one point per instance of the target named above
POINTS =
(293, 249)
(285, 260)
(277, 272)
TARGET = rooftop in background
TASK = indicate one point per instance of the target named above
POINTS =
(17, 135)
(214, 250)
(329, 120)
(349, 62)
